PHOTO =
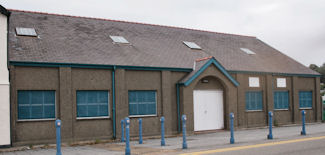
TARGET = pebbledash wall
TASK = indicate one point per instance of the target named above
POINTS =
(66, 81)
(4, 81)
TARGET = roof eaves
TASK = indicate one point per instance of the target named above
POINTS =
(274, 73)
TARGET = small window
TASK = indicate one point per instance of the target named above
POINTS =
(35, 104)
(119, 39)
(142, 103)
(92, 103)
(247, 51)
(281, 100)
(20, 31)
(281, 82)
(192, 45)
(254, 82)
(305, 99)
(254, 100)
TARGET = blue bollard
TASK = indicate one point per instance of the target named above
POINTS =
(140, 131)
(232, 139)
(162, 120)
(270, 136)
(127, 134)
(303, 113)
(184, 132)
(58, 137)
(122, 131)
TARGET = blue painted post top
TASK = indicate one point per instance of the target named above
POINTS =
(184, 117)
(231, 115)
(303, 112)
(58, 123)
(162, 119)
(270, 113)
(127, 121)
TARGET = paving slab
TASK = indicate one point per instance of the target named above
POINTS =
(196, 142)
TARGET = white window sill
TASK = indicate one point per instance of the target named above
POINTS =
(307, 108)
(36, 120)
(92, 118)
(281, 109)
(254, 110)
(136, 116)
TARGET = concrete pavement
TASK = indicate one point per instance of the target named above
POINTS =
(200, 142)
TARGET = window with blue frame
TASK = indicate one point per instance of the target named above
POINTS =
(92, 103)
(36, 104)
(142, 103)
(305, 99)
(254, 100)
(281, 100)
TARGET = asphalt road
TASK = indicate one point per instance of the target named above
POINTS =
(303, 146)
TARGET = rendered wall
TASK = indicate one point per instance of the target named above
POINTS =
(4, 85)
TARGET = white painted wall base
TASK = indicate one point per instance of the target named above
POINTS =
(208, 110)
(4, 115)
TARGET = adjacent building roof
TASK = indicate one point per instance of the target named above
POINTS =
(80, 40)
(4, 11)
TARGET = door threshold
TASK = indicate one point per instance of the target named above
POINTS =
(208, 131)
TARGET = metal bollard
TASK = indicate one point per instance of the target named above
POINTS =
(184, 132)
(58, 137)
(140, 131)
(127, 134)
(232, 139)
(122, 131)
(162, 120)
(303, 131)
(270, 136)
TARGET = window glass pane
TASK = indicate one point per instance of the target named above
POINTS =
(142, 102)
(281, 100)
(254, 100)
(36, 104)
(92, 103)
(305, 99)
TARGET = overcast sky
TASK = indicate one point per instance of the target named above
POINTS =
(295, 27)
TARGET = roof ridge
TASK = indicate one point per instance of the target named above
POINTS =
(204, 58)
(122, 21)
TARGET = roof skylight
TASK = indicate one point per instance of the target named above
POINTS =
(192, 45)
(247, 51)
(21, 31)
(119, 39)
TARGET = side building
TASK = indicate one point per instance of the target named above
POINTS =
(4, 80)
(92, 73)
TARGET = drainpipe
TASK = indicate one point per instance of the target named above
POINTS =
(178, 108)
(113, 98)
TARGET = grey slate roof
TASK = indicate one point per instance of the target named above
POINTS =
(67, 39)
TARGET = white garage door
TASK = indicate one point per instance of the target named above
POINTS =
(208, 110)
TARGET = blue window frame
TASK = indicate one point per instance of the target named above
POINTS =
(92, 103)
(305, 99)
(281, 100)
(142, 103)
(254, 100)
(36, 104)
